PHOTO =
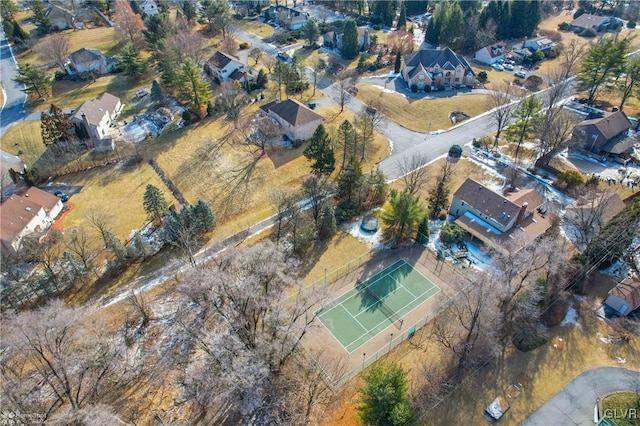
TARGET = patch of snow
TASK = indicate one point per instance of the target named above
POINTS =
(373, 239)
(604, 340)
(621, 360)
(619, 269)
(481, 260)
(571, 318)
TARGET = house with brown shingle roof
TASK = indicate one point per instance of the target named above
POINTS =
(223, 65)
(97, 115)
(428, 67)
(608, 133)
(496, 219)
(296, 119)
(20, 215)
(625, 297)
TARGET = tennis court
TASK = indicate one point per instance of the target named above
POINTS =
(373, 305)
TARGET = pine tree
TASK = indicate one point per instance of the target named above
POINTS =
(189, 10)
(204, 216)
(157, 95)
(319, 151)
(423, 230)
(43, 24)
(438, 199)
(327, 226)
(349, 180)
(19, 35)
(398, 63)
(55, 126)
(401, 216)
(34, 79)
(193, 89)
(262, 79)
(133, 64)
(8, 8)
(140, 249)
(154, 204)
(135, 6)
(350, 45)
(115, 246)
(310, 31)
(402, 19)
(384, 398)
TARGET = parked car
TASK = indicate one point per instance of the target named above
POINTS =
(142, 93)
(508, 67)
(497, 67)
(64, 197)
(496, 409)
(520, 74)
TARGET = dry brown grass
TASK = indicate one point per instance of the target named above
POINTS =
(422, 115)
(24, 136)
(256, 27)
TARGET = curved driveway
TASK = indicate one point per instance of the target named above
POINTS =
(574, 405)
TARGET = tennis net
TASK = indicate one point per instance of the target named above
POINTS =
(382, 305)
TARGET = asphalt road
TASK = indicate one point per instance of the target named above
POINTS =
(574, 405)
(15, 98)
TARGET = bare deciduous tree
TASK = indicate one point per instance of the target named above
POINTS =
(282, 201)
(229, 45)
(316, 190)
(269, 62)
(584, 219)
(554, 133)
(187, 43)
(500, 103)
(55, 49)
(413, 171)
(100, 219)
(571, 55)
(129, 24)
(79, 243)
(345, 83)
(255, 54)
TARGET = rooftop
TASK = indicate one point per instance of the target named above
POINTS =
(292, 112)
(95, 109)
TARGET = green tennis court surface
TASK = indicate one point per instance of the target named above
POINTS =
(373, 305)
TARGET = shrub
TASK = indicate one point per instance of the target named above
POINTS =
(564, 26)
(482, 76)
(414, 88)
(631, 24)
(427, 89)
(244, 45)
(528, 339)
(589, 33)
(476, 143)
(451, 233)
(186, 116)
(571, 178)
(377, 27)
(440, 86)
(455, 151)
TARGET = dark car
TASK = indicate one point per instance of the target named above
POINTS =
(64, 197)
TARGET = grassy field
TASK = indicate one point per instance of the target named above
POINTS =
(115, 189)
(619, 404)
(25, 137)
(256, 27)
(422, 115)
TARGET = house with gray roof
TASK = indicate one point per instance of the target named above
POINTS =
(222, 65)
(87, 60)
(434, 67)
(587, 20)
(296, 119)
(497, 219)
(60, 18)
(491, 54)
(97, 115)
(608, 134)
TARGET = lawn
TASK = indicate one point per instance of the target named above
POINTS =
(116, 189)
(256, 27)
(25, 137)
(422, 115)
(616, 405)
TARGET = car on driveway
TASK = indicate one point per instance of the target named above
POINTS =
(63, 196)
(497, 67)
(508, 67)
(520, 74)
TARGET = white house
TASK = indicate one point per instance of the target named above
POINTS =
(97, 115)
(542, 44)
(297, 120)
(149, 7)
(20, 215)
(222, 65)
(87, 60)
(491, 54)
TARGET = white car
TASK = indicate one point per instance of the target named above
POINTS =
(141, 93)
(508, 67)
(497, 67)
(520, 74)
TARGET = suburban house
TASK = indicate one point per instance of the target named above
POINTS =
(296, 119)
(432, 67)
(491, 54)
(496, 219)
(586, 21)
(333, 39)
(289, 17)
(542, 44)
(20, 215)
(60, 18)
(97, 115)
(149, 7)
(222, 65)
(625, 297)
(609, 134)
(86, 60)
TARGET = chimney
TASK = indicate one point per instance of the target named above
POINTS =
(521, 213)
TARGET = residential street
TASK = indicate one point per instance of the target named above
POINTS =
(15, 98)
(574, 405)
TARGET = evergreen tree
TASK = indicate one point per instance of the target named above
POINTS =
(115, 246)
(189, 10)
(140, 249)
(55, 126)
(34, 79)
(7, 27)
(349, 181)
(348, 138)
(157, 94)
(19, 35)
(423, 230)
(416, 7)
(350, 45)
(133, 64)
(439, 198)
(327, 226)
(158, 29)
(170, 73)
(385, 11)
(384, 398)
(402, 19)
(193, 89)
(135, 6)
(320, 153)
(8, 8)
(204, 216)
(262, 79)
(526, 121)
(398, 64)
(154, 204)
(43, 24)
(603, 63)
(401, 216)
(310, 31)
